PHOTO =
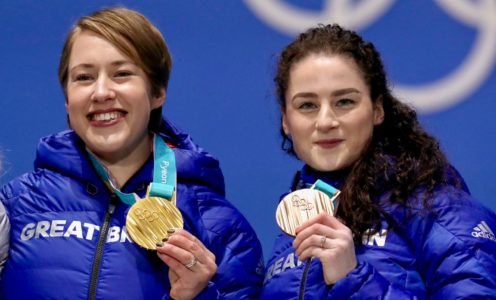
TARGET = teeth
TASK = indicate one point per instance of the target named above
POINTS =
(106, 116)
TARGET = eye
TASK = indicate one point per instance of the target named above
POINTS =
(345, 102)
(307, 105)
(123, 73)
(83, 77)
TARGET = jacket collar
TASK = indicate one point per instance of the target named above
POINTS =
(64, 153)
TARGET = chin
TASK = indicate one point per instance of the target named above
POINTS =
(323, 167)
(101, 147)
(328, 166)
(327, 169)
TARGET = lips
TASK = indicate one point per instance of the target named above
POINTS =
(330, 143)
(106, 117)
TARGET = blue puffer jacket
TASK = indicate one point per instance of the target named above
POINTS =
(68, 238)
(448, 252)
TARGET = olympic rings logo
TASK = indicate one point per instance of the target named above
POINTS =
(301, 203)
(431, 97)
(145, 214)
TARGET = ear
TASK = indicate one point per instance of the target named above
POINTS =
(159, 100)
(284, 124)
(67, 113)
(378, 111)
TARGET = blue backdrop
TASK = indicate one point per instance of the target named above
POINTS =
(440, 56)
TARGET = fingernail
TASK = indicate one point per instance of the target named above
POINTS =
(170, 231)
(165, 239)
(159, 244)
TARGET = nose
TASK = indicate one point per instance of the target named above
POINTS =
(326, 119)
(103, 90)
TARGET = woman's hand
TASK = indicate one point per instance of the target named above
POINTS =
(326, 238)
(191, 264)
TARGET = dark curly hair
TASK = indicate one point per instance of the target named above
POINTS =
(401, 156)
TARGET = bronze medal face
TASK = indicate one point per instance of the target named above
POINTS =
(149, 219)
(300, 206)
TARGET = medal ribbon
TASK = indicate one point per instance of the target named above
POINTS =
(331, 191)
(164, 173)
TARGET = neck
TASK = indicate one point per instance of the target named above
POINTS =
(123, 167)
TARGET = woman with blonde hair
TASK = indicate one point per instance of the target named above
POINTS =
(124, 205)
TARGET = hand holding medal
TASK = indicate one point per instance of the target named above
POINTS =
(191, 264)
(155, 219)
(308, 215)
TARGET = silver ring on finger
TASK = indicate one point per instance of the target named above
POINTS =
(192, 263)
(322, 241)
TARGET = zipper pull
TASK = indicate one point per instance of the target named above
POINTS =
(111, 208)
(113, 200)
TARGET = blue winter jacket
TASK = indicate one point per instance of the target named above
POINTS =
(68, 238)
(448, 252)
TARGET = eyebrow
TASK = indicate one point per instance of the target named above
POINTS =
(345, 91)
(333, 94)
(116, 63)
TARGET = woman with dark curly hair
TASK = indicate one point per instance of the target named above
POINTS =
(406, 225)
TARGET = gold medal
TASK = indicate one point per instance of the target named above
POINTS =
(149, 219)
(300, 206)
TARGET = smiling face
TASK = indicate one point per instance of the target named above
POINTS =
(108, 98)
(329, 114)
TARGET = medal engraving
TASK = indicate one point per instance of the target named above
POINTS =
(300, 206)
(145, 214)
(149, 219)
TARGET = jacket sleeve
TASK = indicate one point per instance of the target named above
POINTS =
(454, 248)
(8, 192)
(457, 249)
(236, 247)
(366, 282)
(209, 293)
(228, 235)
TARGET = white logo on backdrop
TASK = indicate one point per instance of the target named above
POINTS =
(430, 97)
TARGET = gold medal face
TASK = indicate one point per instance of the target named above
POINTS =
(300, 206)
(149, 219)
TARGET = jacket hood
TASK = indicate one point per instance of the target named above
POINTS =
(65, 153)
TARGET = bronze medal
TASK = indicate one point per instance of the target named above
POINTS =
(149, 219)
(300, 206)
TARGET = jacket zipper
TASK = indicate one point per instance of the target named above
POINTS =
(97, 260)
(304, 280)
